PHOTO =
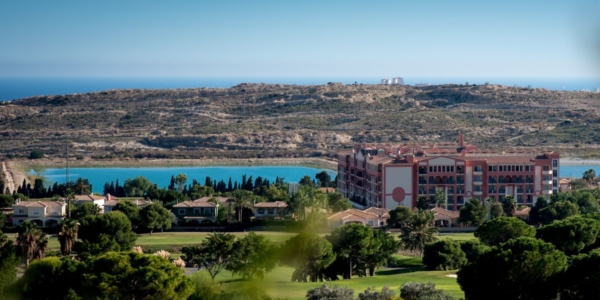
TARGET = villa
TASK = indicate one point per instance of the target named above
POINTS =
(372, 217)
(271, 210)
(42, 213)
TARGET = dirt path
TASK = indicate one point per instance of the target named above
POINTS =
(8, 178)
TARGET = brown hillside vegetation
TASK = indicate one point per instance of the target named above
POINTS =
(259, 120)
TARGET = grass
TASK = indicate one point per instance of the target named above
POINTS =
(277, 283)
(457, 236)
(409, 261)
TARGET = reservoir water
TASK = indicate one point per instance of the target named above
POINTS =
(162, 175)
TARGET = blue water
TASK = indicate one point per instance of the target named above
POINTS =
(162, 176)
(577, 171)
(22, 87)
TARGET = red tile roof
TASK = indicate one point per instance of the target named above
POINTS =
(194, 204)
(276, 204)
(442, 213)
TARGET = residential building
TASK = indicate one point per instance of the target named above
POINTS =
(95, 199)
(198, 211)
(271, 210)
(388, 176)
(444, 217)
(523, 214)
(372, 217)
(395, 80)
(42, 213)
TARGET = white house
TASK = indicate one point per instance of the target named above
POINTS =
(372, 217)
(109, 205)
(98, 200)
(42, 213)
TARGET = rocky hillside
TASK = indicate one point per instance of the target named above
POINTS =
(259, 120)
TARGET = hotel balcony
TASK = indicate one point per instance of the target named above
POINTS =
(477, 182)
(547, 192)
(476, 173)
(477, 193)
(549, 182)
(549, 172)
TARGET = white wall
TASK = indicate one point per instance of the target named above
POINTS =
(469, 179)
(398, 176)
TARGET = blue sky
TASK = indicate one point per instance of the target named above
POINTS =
(300, 38)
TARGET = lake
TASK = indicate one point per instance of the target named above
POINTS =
(162, 175)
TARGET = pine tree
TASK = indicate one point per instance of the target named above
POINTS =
(229, 185)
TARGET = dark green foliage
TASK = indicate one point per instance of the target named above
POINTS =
(371, 293)
(400, 216)
(381, 248)
(522, 268)
(82, 210)
(473, 249)
(6, 201)
(109, 276)
(131, 210)
(473, 213)
(422, 291)
(253, 256)
(309, 254)
(534, 213)
(323, 179)
(571, 235)
(137, 187)
(215, 252)
(419, 231)
(307, 181)
(422, 203)
(327, 292)
(351, 243)
(586, 201)
(155, 216)
(443, 255)
(502, 229)
(496, 210)
(580, 281)
(8, 265)
(509, 205)
(336, 202)
(36, 154)
(103, 233)
(557, 210)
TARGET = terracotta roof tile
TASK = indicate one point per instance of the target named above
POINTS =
(276, 204)
(442, 213)
(194, 204)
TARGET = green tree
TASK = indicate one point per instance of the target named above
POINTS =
(50, 278)
(82, 210)
(67, 235)
(571, 235)
(422, 203)
(36, 154)
(337, 202)
(69, 196)
(522, 268)
(509, 205)
(241, 199)
(180, 180)
(351, 243)
(2, 187)
(440, 198)
(473, 212)
(274, 193)
(307, 181)
(6, 201)
(253, 256)
(443, 255)
(473, 249)
(327, 292)
(137, 187)
(323, 179)
(589, 176)
(586, 201)
(31, 241)
(534, 213)
(419, 231)
(557, 210)
(104, 233)
(580, 280)
(502, 229)
(216, 252)
(131, 210)
(422, 291)
(399, 216)
(380, 250)
(371, 293)
(496, 210)
(82, 186)
(155, 216)
(8, 265)
(309, 254)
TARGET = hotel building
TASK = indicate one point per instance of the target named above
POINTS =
(387, 176)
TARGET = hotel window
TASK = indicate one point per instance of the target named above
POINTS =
(554, 173)
(477, 168)
(555, 183)
(501, 168)
(430, 169)
(528, 168)
(546, 168)
(555, 163)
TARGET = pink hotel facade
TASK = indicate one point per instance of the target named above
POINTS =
(387, 176)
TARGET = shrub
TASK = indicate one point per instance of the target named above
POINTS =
(327, 292)
(163, 254)
(419, 291)
(443, 255)
(36, 154)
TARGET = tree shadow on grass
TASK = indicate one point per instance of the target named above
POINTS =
(395, 271)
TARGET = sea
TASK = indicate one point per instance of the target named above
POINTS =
(12, 88)
(162, 175)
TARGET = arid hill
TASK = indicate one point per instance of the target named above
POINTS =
(259, 120)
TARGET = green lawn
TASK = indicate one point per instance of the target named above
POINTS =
(409, 261)
(277, 283)
(457, 236)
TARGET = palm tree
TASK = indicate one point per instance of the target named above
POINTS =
(589, 176)
(440, 198)
(67, 235)
(82, 186)
(419, 230)
(69, 195)
(509, 205)
(422, 203)
(241, 199)
(299, 202)
(31, 241)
